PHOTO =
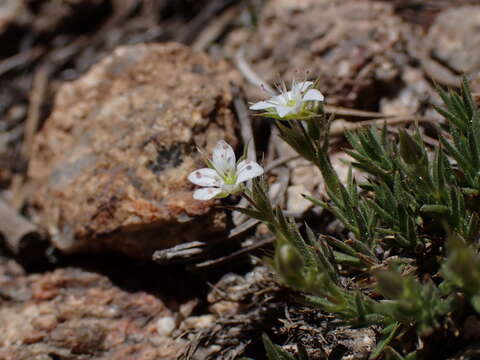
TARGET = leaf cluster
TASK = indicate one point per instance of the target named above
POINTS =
(412, 225)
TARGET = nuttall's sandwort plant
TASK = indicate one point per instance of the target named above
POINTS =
(408, 261)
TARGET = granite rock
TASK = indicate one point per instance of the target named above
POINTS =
(111, 162)
(454, 39)
(74, 314)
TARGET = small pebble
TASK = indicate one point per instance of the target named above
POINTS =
(166, 325)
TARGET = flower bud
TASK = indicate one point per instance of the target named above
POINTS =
(289, 261)
(389, 284)
(410, 151)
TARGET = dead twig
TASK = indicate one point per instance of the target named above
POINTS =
(21, 59)
(339, 127)
(280, 161)
(193, 28)
(234, 255)
(179, 253)
(215, 29)
(60, 56)
(340, 110)
(243, 227)
(245, 123)
(247, 136)
(37, 96)
(36, 101)
(247, 71)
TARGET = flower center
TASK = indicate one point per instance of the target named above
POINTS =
(291, 103)
(230, 178)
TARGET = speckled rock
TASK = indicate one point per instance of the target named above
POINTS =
(73, 314)
(355, 48)
(111, 162)
(454, 39)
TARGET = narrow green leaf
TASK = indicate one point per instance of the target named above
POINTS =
(384, 342)
(339, 245)
(435, 209)
(392, 354)
(270, 348)
(302, 352)
(345, 259)
(249, 212)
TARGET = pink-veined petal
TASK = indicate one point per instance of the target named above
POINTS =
(247, 170)
(313, 95)
(223, 157)
(205, 177)
(283, 111)
(206, 193)
(261, 105)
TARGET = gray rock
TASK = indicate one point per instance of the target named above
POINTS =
(454, 39)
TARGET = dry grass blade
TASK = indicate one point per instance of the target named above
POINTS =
(227, 258)
(37, 96)
(215, 29)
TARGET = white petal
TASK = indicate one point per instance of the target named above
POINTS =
(295, 92)
(241, 164)
(205, 177)
(283, 110)
(261, 105)
(231, 188)
(206, 193)
(223, 157)
(304, 85)
(282, 99)
(247, 170)
(313, 95)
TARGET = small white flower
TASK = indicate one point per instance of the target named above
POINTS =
(224, 176)
(290, 102)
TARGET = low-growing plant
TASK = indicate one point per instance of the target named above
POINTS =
(412, 227)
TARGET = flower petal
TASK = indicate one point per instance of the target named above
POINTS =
(261, 105)
(229, 189)
(247, 170)
(283, 110)
(303, 86)
(313, 95)
(205, 177)
(206, 193)
(223, 157)
(280, 100)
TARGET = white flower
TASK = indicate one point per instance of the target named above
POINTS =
(224, 176)
(290, 102)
